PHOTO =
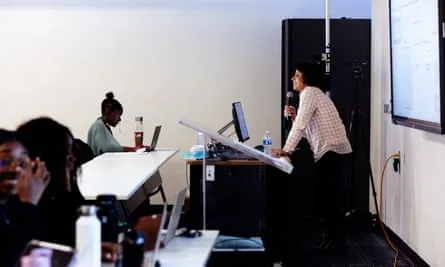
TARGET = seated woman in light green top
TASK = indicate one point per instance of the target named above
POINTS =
(100, 136)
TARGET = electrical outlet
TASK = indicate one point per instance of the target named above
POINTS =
(396, 163)
(210, 173)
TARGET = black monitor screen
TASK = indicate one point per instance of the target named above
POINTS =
(239, 122)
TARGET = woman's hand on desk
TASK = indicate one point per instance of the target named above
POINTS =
(278, 153)
(137, 149)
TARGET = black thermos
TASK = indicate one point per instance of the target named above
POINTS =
(133, 249)
(108, 217)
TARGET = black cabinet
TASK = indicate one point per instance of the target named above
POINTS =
(235, 198)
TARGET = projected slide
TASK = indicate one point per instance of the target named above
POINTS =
(415, 59)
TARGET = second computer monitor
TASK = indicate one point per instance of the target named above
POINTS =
(239, 122)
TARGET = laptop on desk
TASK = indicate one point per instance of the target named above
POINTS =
(154, 140)
(166, 236)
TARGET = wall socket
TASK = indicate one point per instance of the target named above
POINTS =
(210, 173)
(387, 108)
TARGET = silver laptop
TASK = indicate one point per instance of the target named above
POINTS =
(163, 236)
(154, 140)
(155, 255)
(175, 216)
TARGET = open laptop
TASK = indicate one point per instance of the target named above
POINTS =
(175, 216)
(154, 140)
(166, 237)
(154, 259)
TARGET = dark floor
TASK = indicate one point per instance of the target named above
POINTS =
(364, 247)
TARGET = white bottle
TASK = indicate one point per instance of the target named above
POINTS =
(267, 143)
(88, 238)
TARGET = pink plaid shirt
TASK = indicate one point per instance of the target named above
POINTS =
(318, 121)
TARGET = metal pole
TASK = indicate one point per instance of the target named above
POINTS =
(327, 57)
(204, 180)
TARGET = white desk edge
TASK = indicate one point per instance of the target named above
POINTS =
(173, 150)
(123, 197)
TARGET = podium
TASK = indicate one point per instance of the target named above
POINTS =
(130, 176)
(279, 163)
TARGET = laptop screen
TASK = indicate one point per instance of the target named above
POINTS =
(154, 140)
(175, 215)
(159, 237)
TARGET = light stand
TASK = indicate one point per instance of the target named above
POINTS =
(325, 58)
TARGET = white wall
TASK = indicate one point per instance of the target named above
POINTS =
(414, 200)
(163, 59)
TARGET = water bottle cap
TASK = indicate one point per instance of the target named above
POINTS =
(139, 118)
(106, 199)
(134, 237)
(89, 210)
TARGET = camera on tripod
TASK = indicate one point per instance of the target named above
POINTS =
(357, 69)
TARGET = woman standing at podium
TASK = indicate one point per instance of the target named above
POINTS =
(100, 136)
(318, 121)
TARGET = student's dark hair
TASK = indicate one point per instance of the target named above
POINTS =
(7, 136)
(47, 139)
(110, 103)
(313, 75)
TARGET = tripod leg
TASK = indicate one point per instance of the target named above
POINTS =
(370, 175)
(374, 193)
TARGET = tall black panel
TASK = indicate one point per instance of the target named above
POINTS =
(304, 40)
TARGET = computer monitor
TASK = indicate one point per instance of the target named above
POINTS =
(239, 122)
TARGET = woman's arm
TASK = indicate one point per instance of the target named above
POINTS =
(307, 106)
(128, 149)
(104, 141)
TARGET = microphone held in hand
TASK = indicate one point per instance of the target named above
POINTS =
(289, 96)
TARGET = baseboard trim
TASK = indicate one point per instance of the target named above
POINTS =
(402, 246)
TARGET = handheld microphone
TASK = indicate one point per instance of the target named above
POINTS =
(289, 96)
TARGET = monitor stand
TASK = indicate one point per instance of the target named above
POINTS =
(219, 147)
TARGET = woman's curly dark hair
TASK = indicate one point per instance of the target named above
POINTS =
(47, 139)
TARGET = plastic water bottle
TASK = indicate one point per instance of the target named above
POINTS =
(88, 243)
(139, 132)
(267, 143)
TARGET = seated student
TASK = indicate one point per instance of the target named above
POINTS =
(22, 183)
(52, 142)
(100, 136)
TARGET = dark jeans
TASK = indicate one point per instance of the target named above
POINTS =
(329, 176)
(286, 197)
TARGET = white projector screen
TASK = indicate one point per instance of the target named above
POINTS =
(417, 62)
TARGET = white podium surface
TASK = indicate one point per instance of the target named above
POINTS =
(186, 252)
(279, 163)
(120, 174)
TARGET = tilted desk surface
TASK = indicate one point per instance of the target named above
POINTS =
(120, 174)
(186, 252)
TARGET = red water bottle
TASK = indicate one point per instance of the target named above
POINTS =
(139, 132)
